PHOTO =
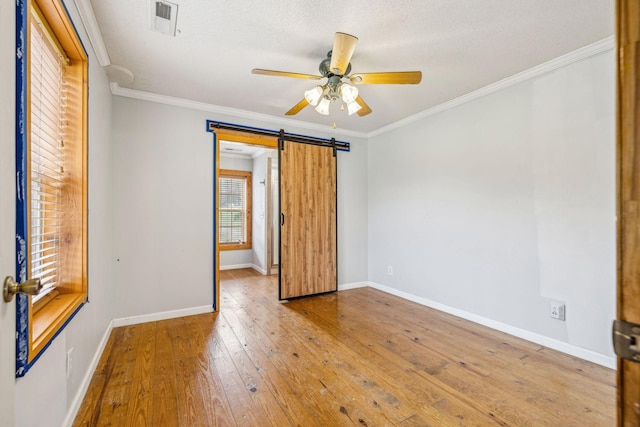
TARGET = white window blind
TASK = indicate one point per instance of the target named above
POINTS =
(47, 115)
(233, 205)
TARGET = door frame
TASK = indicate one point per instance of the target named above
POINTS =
(256, 136)
(628, 198)
(230, 136)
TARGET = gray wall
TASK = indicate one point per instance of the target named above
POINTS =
(163, 207)
(498, 205)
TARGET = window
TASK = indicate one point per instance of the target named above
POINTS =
(52, 221)
(234, 198)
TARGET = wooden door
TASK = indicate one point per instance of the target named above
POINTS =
(628, 98)
(308, 256)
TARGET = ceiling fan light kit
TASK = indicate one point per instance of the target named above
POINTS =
(353, 107)
(349, 93)
(323, 106)
(334, 68)
(313, 95)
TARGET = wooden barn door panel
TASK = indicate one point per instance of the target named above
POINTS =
(308, 232)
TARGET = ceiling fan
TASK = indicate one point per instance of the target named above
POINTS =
(336, 68)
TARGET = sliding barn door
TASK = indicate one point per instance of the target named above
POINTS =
(308, 220)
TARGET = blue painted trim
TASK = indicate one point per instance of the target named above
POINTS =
(75, 29)
(22, 306)
(22, 301)
(215, 231)
(344, 146)
(35, 359)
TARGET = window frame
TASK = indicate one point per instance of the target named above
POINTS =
(35, 331)
(246, 176)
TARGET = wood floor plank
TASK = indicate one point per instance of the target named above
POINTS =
(358, 357)
(276, 361)
(325, 390)
(428, 390)
(192, 410)
(215, 400)
(273, 367)
(260, 394)
(370, 389)
(483, 384)
(113, 407)
(163, 378)
(529, 365)
(245, 412)
(87, 414)
(139, 409)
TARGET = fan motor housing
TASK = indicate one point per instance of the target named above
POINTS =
(325, 67)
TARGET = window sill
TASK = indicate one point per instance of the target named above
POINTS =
(46, 323)
(234, 247)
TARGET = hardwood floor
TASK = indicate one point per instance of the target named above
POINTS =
(358, 357)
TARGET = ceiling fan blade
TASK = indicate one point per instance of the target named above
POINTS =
(285, 74)
(343, 47)
(365, 108)
(297, 108)
(391, 78)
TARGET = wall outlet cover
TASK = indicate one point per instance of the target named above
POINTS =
(557, 310)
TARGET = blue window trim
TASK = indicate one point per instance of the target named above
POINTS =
(22, 301)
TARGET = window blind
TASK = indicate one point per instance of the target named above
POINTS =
(47, 115)
(233, 204)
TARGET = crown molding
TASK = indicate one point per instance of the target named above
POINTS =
(117, 90)
(559, 62)
(88, 19)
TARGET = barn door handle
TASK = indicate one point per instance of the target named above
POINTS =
(11, 287)
(281, 219)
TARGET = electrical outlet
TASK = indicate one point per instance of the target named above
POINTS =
(389, 270)
(69, 361)
(557, 310)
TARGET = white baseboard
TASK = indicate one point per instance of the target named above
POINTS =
(86, 380)
(152, 317)
(561, 346)
(259, 270)
(239, 266)
(355, 285)
(235, 266)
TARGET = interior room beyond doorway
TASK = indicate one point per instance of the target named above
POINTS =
(260, 226)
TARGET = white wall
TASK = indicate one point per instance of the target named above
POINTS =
(46, 382)
(259, 214)
(497, 206)
(242, 257)
(163, 207)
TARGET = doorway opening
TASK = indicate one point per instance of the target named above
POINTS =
(246, 195)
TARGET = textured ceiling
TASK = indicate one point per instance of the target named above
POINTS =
(459, 45)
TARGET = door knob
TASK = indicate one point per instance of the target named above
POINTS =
(29, 287)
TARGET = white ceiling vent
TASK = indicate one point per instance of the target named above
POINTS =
(163, 17)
